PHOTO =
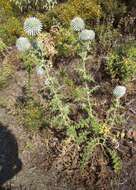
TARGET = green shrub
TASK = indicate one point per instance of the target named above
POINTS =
(112, 7)
(10, 29)
(86, 9)
(66, 42)
(6, 6)
(30, 59)
(121, 62)
(10, 26)
(132, 52)
(64, 12)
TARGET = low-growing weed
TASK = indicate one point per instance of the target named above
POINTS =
(121, 63)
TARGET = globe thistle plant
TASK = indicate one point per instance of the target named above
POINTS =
(119, 91)
(77, 24)
(23, 44)
(87, 35)
(32, 26)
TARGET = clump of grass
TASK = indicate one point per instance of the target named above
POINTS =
(2, 46)
(6, 73)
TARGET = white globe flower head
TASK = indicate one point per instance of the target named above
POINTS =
(119, 91)
(78, 24)
(32, 26)
(87, 35)
(23, 44)
(40, 71)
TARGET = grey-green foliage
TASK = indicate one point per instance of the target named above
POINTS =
(59, 109)
(116, 161)
(34, 4)
(88, 150)
(83, 125)
(30, 59)
(114, 117)
(62, 110)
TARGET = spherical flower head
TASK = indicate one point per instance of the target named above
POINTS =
(77, 24)
(119, 91)
(32, 26)
(40, 71)
(87, 35)
(23, 44)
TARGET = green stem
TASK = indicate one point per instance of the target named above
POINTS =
(56, 96)
(117, 105)
(86, 84)
(29, 81)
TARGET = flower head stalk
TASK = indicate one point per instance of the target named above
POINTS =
(118, 92)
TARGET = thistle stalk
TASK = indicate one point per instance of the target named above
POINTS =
(117, 105)
(54, 91)
(84, 58)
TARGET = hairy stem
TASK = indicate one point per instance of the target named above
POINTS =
(53, 89)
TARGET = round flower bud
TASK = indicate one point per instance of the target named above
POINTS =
(23, 44)
(119, 91)
(87, 35)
